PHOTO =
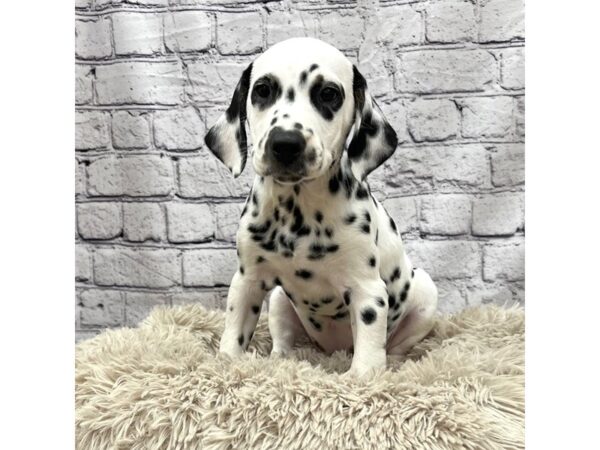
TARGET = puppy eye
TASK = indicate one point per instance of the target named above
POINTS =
(262, 90)
(328, 94)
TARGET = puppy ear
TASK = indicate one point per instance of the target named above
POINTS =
(227, 137)
(374, 140)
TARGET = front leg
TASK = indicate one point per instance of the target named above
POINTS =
(368, 315)
(244, 302)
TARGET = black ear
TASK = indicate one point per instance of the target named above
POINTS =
(374, 140)
(227, 138)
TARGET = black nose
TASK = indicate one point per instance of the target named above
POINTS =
(286, 146)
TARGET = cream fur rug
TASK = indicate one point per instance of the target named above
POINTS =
(162, 386)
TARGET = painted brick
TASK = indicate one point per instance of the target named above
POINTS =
(450, 298)
(137, 33)
(139, 304)
(512, 68)
(83, 263)
(504, 261)
(404, 212)
(179, 129)
(508, 164)
(395, 113)
(342, 29)
(92, 38)
(433, 119)
(101, 308)
(144, 222)
(91, 130)
(208, 299)
(80, 179)
(487, 117)
(497, 215)
(136, 176)
(209, 267)
(446, 214)
(188, 31)
(501, 20)
(446, 259)
(99, 220)
(290, 24)
(236, 33)
(140, 83)
(398, 26)
(190, 222)
(213, 82)
(130, 130)
(228, 220)
(520, 116)
(452, 21)
(426, 71)
(142, 267)
(83, 84)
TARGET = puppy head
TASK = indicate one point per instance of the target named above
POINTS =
(301, 99)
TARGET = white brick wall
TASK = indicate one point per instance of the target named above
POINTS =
(157, 214)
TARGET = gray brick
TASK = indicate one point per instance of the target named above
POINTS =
(137, 33)
(404, 212)
(101, 308)
(206, 176)
(179, 129)
(188, 31)
(136, 176)
(92, 38)
(209, 267)
(228, 220)
(91, 130)
(100, 3)
(140, 83)
(83, 3)
(130, 130)
(426, 71)
(139, 304)
(83, 84)
(213, 82)
(374, 66)
(395, 113)
(144, 222)
(417, 170)
(495, 294)
(450, 298)
(501, 20)
(520, 116)
(99, 220)
(508, 165)
(452, 21)
(190, 222)
(288, 24)
(84, 335)
(402, 25)
(446, 259)
(505, 261)
(497, 215)
(512, 68)
(237, 33)
(153, 268)
(208, 299)
(342, 29)
(446, 214)
(487, 117)
(433, 119)
(83, 263)
(80, 178)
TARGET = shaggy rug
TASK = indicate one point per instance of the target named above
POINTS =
(163, 386)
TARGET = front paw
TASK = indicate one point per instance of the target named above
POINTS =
(230, 347)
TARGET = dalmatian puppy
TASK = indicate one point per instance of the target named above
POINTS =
(311, 233)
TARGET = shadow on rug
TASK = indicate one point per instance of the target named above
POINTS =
(163, 386)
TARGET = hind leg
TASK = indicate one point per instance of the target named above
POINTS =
(418, 322)
(284, 324)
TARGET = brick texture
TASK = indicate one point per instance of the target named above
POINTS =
(157, 214)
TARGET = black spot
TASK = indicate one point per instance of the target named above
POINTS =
(298, 220)
(231, 308)
(242, 270)
(368, 315)
(276, 214)
(259, 229)
(332, 248)
(391, 301)
(286, 116)
(396, 317)
(277, 281)
(313, 67)
(259, 259)
(393, 225)
(329, 232)
(367, 216)
(366, 228)
(319, 216)
(315, 324)
(340, 315)
(290, 94)
(372, 261)
(395, 275)
(380, 301)
(297, 189)
(264, 286)
(361, 193)
(241, 340)
(254, 199)
(403, 295)
(303, 231)
(326, 97)
(376, 236)
(303, 273)
(255, 309)
(268, 246)
(334, 184)
(289, 204)
(287, 254)
(305, 302)
(298, 126)
(327, 300)
(340, 306)
(303, 76)
(274, 121)
(347, 298)
(265, 92)
(349, 219)
(315, 305)
(317, 232)
(412, 274)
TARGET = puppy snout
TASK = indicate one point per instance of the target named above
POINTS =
(286, 146)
